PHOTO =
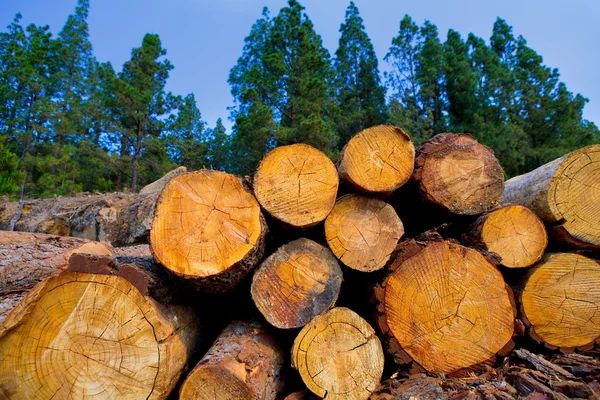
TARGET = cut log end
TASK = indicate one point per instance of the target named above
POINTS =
(296, 184)
(362, 232)
(560, 300)
(459, 174)
(87, 336)
(339, 356)
(513, 232)
(300, 280)
(378, 159)
(207, 224)
(448, 308)
(574, 196)
(243, 363)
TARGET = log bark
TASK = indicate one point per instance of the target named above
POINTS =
(121, 219)
(560, 298)
(444, 307)
(362, 232)
(28, 258)
(209, 229)
(379, 159)
(419, 386)
(158, 185)
(121, 333)
(513, 232)
(243, 363)
(299, 281)
(296, 184)
(565, 194)
(338, 356)
(458, 174)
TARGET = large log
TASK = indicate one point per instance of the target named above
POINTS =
(299, 281)
(243, 363)
(377, 159)
(513, 232)
(29, 258)
(565, 194)
(458, 174)
(444, 306)
(209, 229)
(296, 184)
(362, 232)
(560, 299)
(118, 218)
(120, 334)
(338, 356)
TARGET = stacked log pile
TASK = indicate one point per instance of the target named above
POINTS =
(394, 274)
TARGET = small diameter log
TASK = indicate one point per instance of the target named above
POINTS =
(81, 335)
(378, 159)
(565, 194)
(339, 356)
(208, 228)
(513, 232)
(560, 298)
(28, 258)
(445, 307)
(297, 185)
(299, 281)
(458, 174)
(362, 232)
(243, 363)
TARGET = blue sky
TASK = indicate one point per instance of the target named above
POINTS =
(204, 38)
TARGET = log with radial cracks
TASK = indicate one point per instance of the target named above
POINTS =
(96, 336)
(362, 232)
(243, 363)
(28, 258)
(458, 174)
(513, 232)
(565, 194)
(297, 185)
(209, 229)
(299, 281)
(444, 306)
(338, 356)
(378, 159)
(560, 301)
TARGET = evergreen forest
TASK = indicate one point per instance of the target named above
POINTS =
(69, 123)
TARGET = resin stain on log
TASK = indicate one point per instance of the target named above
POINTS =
(299, 281)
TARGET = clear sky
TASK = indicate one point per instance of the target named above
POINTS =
(204, 38)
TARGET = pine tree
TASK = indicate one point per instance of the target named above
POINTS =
(299, 68)
(188, 136)
(360, 94)
(402, 80)
(138, 100)
(430, 75)
(219, 147)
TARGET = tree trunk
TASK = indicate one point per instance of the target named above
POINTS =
(296, 184)
(28, 258)
(363, 232)
(119, 334)
(208, 228)
(513, 232)
(560, 298)
(243, 363)
(379, 159)
(299, 281)
(565, 194)
(119, 218)
(444, 306)
(339, 356)
(458, 174)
